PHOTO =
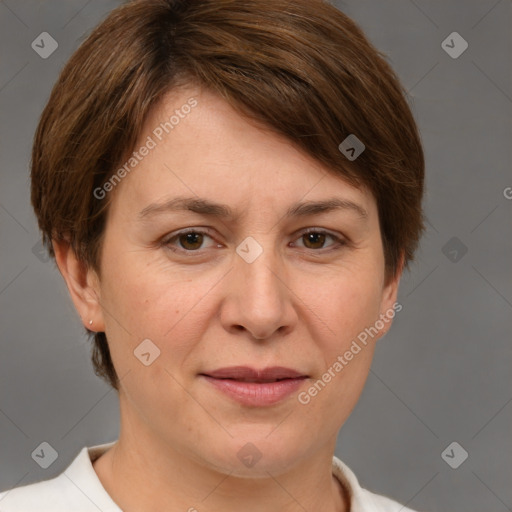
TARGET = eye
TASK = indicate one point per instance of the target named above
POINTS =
(316, 239)
(193, 240)
(190, 240)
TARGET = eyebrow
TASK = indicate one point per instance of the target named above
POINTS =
(210, 208)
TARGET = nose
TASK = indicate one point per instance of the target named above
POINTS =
(258, 298)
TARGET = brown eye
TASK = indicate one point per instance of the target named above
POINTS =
(317, 239)
(191, 241)
(314, 240)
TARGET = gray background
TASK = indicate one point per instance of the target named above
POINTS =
(443, 372)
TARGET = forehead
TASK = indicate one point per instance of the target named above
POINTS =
(198, 145)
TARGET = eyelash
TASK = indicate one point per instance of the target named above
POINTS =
(166, 242)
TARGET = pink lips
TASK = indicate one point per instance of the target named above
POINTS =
(256, 388)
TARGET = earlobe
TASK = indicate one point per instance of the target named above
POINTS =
(82, 283)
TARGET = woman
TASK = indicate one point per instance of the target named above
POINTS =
(231, 191)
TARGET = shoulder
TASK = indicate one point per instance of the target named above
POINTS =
(77, 488)
(362, 500)
(384, 504)
(53, 494)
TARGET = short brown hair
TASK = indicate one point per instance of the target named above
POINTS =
(301, 67)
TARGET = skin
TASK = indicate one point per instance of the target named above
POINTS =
(300, 304)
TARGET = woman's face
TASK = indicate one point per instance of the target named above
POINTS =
(246, 287)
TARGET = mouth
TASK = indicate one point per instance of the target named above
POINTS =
(253, 387)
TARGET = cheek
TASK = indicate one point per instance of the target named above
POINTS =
(358, 307)
(347, 307)
(141, 292)
(344, 302)
(145, 301)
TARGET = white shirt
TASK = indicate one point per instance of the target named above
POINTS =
(78, 489)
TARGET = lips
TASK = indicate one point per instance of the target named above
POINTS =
(247, 374)
(256, 388)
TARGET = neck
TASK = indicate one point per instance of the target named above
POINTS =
(142, 473)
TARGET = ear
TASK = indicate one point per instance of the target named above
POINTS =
(83, 285)
(389, 304)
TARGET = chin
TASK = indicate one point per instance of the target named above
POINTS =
(257, 455)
